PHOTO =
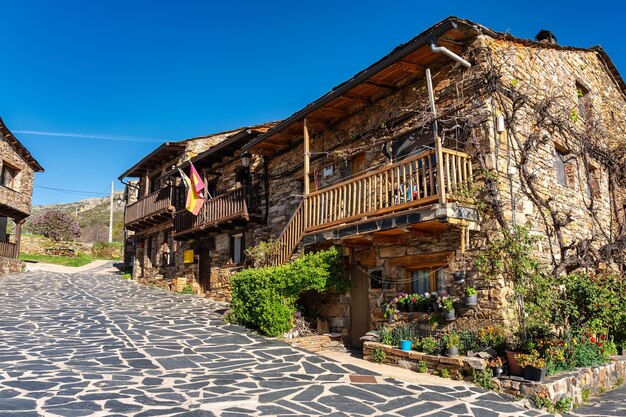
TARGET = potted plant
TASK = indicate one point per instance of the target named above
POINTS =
(459, 276)
(452, 342)
(402, 302)
(496, 365)
(471, 296)
(422, 303)
(414, 300)
(533, 364)
(436, 301)
(447, 307)
(390, 312)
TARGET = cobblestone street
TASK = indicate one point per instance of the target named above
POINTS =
(94, 344)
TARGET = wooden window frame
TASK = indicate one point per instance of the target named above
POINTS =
(432, 269)
(14, 173)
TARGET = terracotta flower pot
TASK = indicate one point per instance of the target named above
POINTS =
(514, 368)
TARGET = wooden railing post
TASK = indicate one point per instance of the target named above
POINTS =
(307, 168)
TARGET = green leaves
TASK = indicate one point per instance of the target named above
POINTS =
(265, 298)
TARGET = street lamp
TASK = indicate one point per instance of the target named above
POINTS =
(245, 159)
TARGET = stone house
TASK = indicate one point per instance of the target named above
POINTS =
(388, 166)
(168, 246)
(17, 174)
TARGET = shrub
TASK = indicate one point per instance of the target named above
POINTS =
(56, 225)
(484, 379)
(265, 298)
(564, 404)
(422, 367)
(429, 345)
(445, 373)
(378, 355)
(187, 289)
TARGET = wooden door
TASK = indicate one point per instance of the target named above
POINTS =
(204, 267)
(359, 308)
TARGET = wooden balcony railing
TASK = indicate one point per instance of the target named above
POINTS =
(407, 184)
(159, 201)
(238, 203)
(8, 250)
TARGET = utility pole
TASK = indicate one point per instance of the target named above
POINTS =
(111, 214)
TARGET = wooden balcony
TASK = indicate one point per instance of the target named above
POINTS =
(8, 250)
(409, 183)
(220, 212)
(153, 209)
(395, 192)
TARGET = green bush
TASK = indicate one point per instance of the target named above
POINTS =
(265, 298)
(378, 355)
(106, 250)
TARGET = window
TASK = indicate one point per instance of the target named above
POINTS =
(378, 281)
(584, 101)
(236, 248)
(593, 182)
(426, 280)
(155, 184)
(7, 176)
(357, 164)
(559, 158)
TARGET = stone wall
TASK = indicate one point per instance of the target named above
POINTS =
(19, 196)
(39, 245)
(572, 384)
(459, 367)
(318, 343)
(10, 265)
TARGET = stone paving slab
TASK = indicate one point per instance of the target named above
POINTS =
(611, 403)
(91, 344)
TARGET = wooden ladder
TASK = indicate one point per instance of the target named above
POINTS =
(290, 236)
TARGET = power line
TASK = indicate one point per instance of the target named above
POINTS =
(73, 191)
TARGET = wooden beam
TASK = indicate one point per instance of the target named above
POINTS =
(382, 86)
(365, 100)
(333, 110)
(410, 68)
(420, 259)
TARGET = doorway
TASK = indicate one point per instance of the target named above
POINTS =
(204, 266)
(359, 308)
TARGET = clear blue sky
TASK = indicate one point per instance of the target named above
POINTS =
(143, 72)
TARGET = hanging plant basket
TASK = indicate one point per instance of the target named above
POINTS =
(459, 277)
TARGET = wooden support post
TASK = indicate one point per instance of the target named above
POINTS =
(463, 232)
(18, 237)
(307, 169)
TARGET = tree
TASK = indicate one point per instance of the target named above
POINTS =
(56, 224)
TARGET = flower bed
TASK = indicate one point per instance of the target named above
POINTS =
(577, 384)
(459, 367)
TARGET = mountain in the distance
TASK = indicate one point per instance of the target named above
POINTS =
(93, 217)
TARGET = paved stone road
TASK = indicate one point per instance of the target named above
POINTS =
(611, 403)
(95, 344)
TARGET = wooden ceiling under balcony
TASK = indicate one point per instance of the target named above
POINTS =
(362, 90)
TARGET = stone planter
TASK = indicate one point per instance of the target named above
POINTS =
(471, 300)
(453, 351)
(449, 315)
(534, 374)
(514, 368)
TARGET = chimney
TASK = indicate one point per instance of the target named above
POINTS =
(545, 36)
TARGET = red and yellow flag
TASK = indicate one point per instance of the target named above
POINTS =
(194, 186)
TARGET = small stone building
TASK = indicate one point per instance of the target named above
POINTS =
(168, 246)
(390, 166)
(17, 174)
